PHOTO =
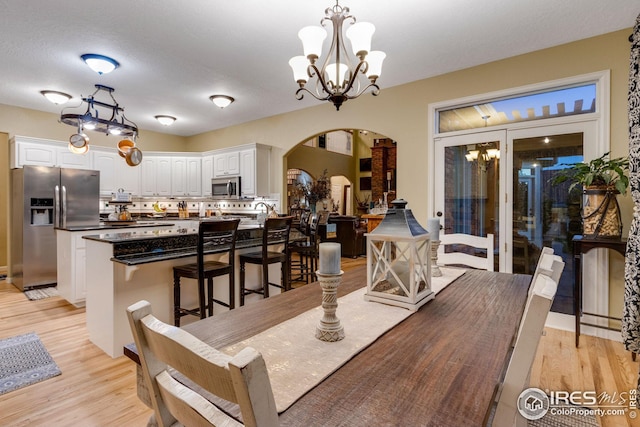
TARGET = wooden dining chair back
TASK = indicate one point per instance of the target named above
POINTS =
(211, 234)
(242, 379)
(305, 217)
(466, 250)
(518, 372)
(275, 232)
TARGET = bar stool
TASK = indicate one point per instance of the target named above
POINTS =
(304, 268)
(275, 232)
(211, 234)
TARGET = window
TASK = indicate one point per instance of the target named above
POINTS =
(556, 102)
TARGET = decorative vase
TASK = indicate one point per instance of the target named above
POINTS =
(601, 214)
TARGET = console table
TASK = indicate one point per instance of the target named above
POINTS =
(580, 247)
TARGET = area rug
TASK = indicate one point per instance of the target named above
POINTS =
(41, 293)
(24, 361)
(565, 420)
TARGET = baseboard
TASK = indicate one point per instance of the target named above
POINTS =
(567, 322)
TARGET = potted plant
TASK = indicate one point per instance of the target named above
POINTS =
(315, 191)
(601, 179)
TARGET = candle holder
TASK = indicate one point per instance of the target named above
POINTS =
(329, 329)
(435, 270)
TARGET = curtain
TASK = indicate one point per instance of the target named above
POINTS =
(631, 313)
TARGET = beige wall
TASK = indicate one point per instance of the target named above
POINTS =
(400, 113)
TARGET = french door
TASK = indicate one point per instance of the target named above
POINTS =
(500, 183)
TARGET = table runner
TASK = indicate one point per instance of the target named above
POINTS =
(297, 361)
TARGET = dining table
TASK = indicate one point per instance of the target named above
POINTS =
(441, 366)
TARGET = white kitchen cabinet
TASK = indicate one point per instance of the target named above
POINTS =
(33, 151)
(115, 173)
(155, 179)
(194, 176)
(71, 258)
(226, 163)
(207, 174)
(255, 170)
(178, 176)
(185, 176)
(67, 159)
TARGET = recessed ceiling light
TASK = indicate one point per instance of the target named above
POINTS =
(55, 96)
(99, 63)
(221, 100)
(165, 120)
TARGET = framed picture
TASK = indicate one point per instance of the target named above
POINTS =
(365, 183)
(365, 165)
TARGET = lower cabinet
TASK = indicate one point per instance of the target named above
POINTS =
(72, 275)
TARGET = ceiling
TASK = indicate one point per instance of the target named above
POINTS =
(174, 55)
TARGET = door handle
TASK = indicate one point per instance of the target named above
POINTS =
(64, 207)
(56, 208)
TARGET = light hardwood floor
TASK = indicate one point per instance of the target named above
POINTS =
(95, 390)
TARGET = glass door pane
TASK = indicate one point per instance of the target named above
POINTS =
(467, 199)
(545, 214)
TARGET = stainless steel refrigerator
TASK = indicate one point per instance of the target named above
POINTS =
(44, 199)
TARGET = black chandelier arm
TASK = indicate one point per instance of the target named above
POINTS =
(300, 94)
(313, 70)
(362, 67)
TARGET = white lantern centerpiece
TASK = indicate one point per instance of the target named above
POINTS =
(399, 260)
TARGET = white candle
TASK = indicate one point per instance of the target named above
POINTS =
(434, 228)
(329, 258)
(388, 175)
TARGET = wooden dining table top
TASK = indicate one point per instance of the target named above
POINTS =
(439, 367)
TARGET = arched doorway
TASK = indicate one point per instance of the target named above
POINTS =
(361, 165)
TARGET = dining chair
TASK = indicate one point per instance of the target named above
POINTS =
(516, 378)
(549, 264)
(241, 379)
(464, 249)
(275, 232)
(210, 234)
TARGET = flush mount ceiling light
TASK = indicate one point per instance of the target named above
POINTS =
(221, 100)
(165, 120)
(115, 124)
(99, 63)
(55, 96)
(337, 80)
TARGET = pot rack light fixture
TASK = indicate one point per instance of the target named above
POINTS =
(113, 122)
(165, 120)
(99, 63)
(337, 80)
(56, 97)
(221, 101)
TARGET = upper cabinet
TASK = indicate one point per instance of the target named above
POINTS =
(226, 163)
(33, 151)
(155, 179)
(207, 174)
(115, 173)
(160, 174)
(185, 176)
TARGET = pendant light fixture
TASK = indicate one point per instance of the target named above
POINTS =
(338, 80)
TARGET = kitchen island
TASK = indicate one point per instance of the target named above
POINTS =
(125, 267)
(71, 254)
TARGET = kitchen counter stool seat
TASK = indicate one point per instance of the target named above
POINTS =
(210, 233)
(275, 232)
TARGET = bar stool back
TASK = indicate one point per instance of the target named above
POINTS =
(210, 234)
(275, 232)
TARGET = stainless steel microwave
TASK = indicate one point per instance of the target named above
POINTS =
(226, 188)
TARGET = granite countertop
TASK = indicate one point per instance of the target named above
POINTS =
(116, 226)
(146, 246)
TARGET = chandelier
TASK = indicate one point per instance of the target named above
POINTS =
(337, 80)
(113, 121)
